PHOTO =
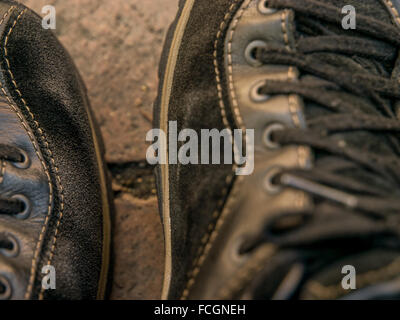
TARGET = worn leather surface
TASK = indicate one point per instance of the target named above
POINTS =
(40, 79)
(196, 191)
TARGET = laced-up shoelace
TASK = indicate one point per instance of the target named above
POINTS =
(9, 206)
(355, 184)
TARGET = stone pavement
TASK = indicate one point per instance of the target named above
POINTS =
(116, 46)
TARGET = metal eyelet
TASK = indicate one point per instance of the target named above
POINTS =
(25, 163)
(267, 135)
(5, 288)
(13, 251)
(263, 7)
(27, 207)
(269, 185)
(236, 248)
(255, 94)
(249, 53)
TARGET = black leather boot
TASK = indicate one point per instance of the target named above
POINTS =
(54, 200)
(321, 207)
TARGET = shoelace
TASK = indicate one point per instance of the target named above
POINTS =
(355, 187)
(9, 206)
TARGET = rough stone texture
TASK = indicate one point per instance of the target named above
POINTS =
(138, 234)
(116, 45)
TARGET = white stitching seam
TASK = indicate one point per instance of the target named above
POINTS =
(214, 228)
(49, 152)
(36, 147)
(217, 218)
(235, 104)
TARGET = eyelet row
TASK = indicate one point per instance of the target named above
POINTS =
(258, 97)
(269, 181)
(5, 288)
(13, 251)
(269, 185)
(252, 46)
(24, 164)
